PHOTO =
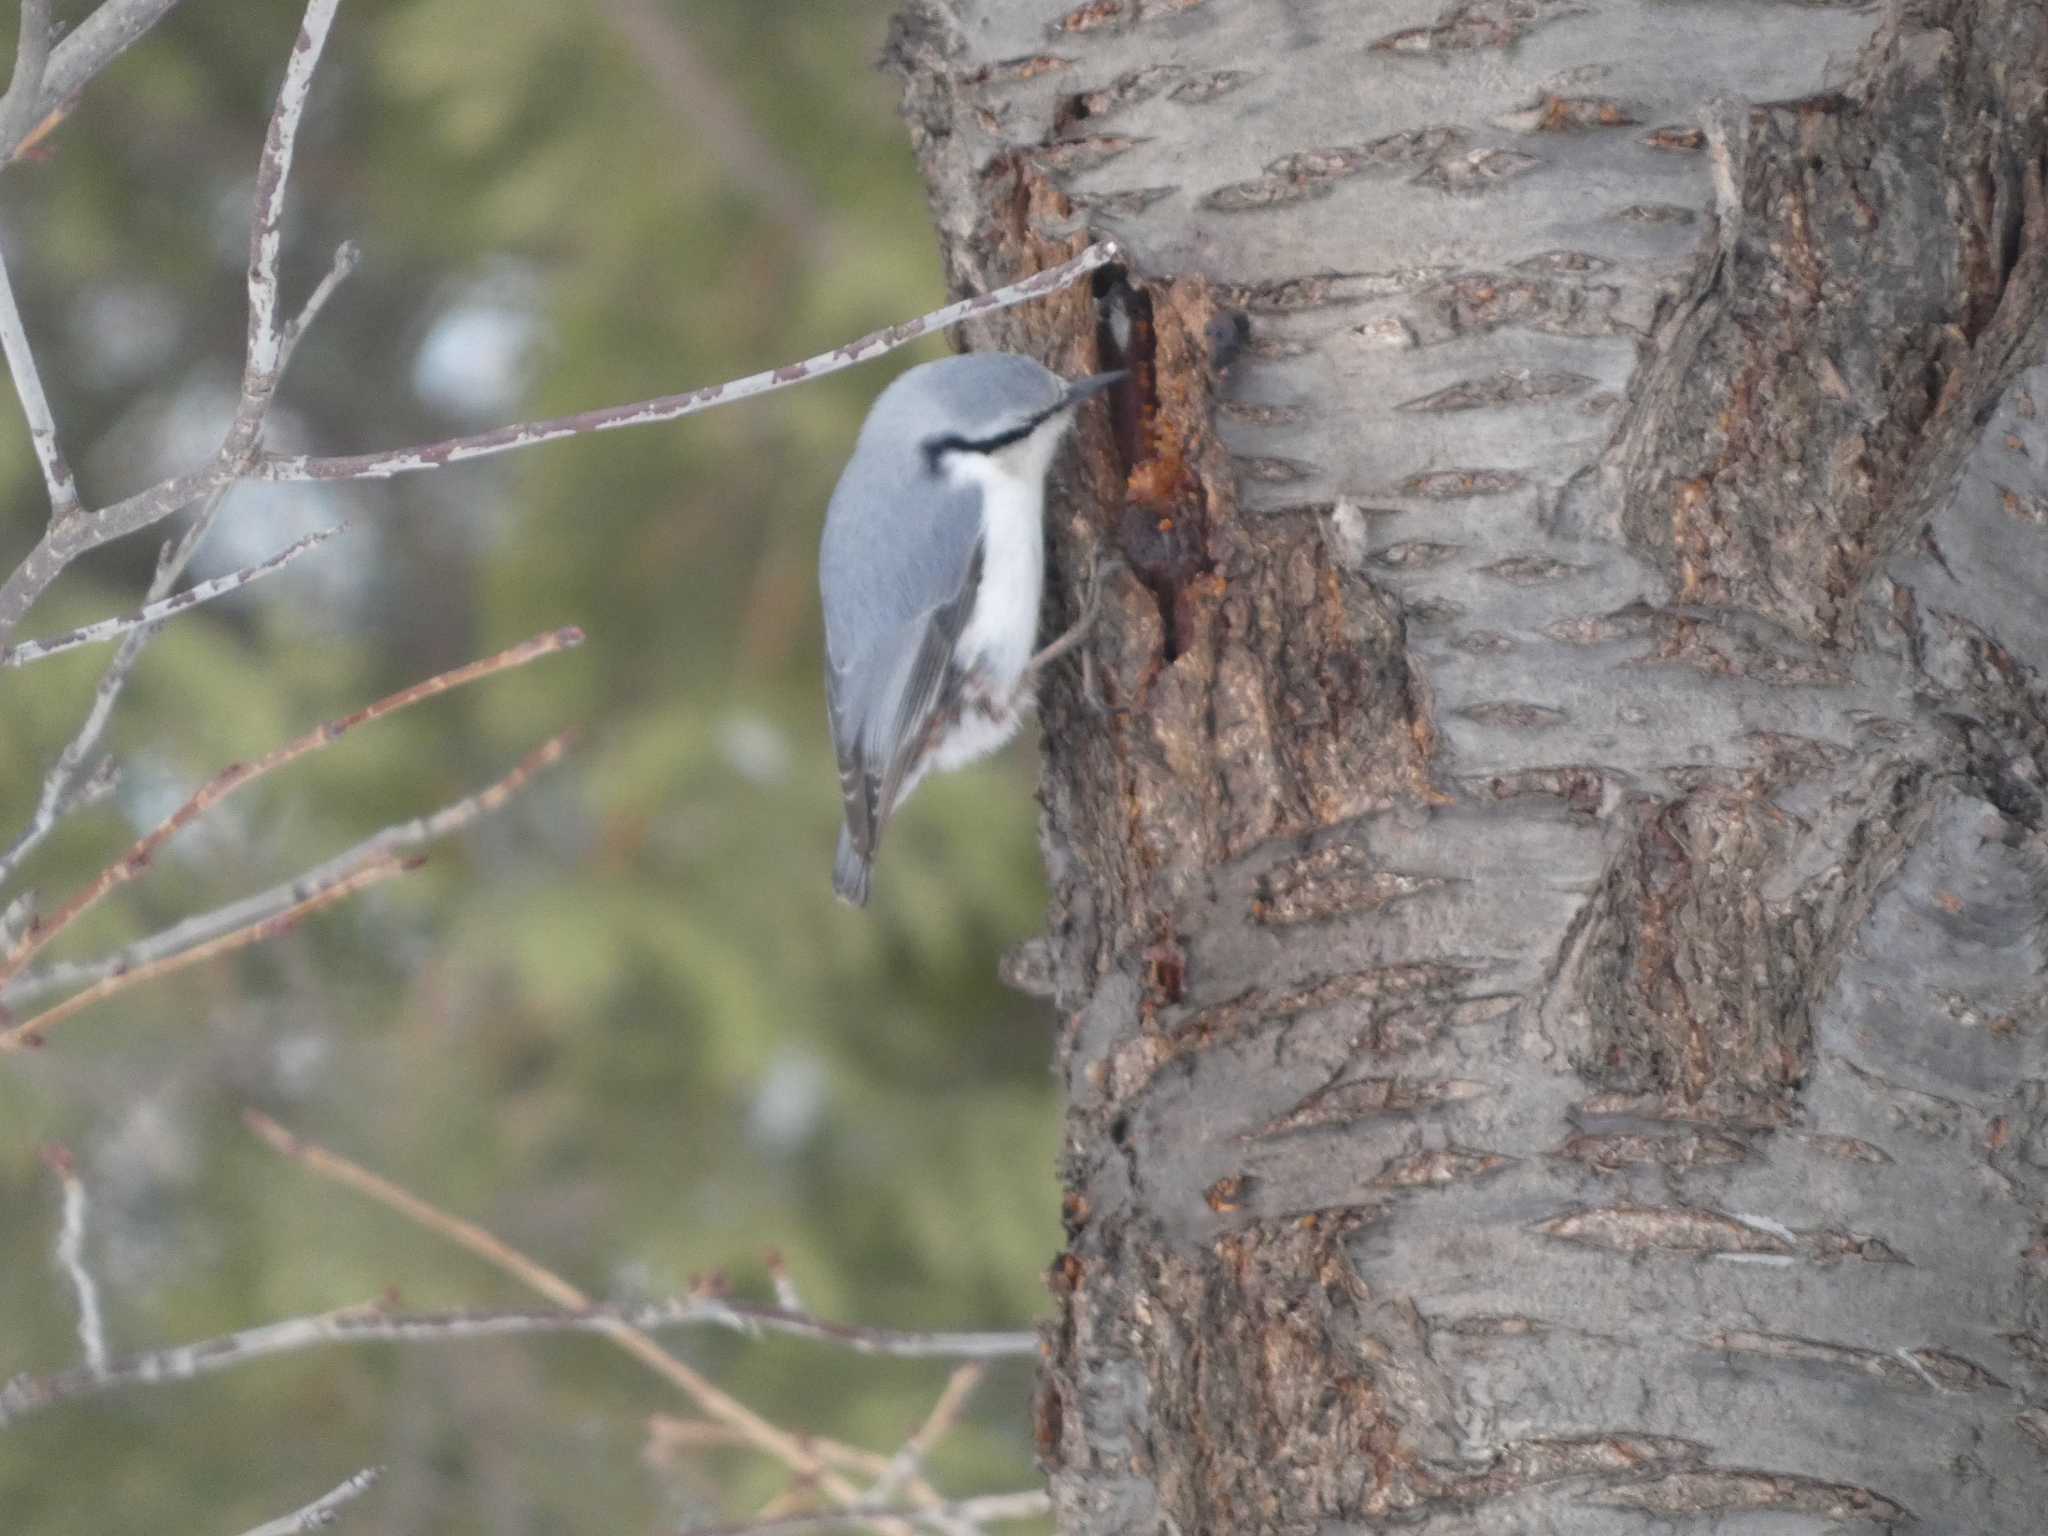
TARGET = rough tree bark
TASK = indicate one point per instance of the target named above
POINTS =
(1552, 932)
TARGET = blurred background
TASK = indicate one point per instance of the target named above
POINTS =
(622, 1023)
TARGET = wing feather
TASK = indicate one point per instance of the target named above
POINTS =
(879, 753)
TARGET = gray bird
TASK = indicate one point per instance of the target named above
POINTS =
(931, 571)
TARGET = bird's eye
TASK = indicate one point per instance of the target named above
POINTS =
(935, 451)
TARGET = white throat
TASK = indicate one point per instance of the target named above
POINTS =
(1001, 634)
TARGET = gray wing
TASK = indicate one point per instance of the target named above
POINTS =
(881, 736)
(900, 567)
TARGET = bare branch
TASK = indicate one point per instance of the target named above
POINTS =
(42, 427)
(346, 257)
(666, 408)
(401, 838)
(988, 1509)
(63, 790)
(30, 1032)
(18, 108)
(668, 1435)
(264, 366)
(65, 542)
(155, 613)
(371, 1325)
(789, 1449)
(907, 1461)
(238, 775)
(16, 916)
(895, 1343)
(92, 1329)
(323, 1511)
(899, 1474)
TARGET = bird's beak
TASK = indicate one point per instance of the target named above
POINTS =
(1080, 389)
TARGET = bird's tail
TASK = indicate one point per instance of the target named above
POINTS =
(852, 871)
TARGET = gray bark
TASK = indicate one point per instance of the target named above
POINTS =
(1552, 936)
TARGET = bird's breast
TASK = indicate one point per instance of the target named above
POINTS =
(1001, 631)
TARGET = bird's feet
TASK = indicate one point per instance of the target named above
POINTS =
(1091, 604)
(1099, 571)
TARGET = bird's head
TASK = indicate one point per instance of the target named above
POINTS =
(987, 411)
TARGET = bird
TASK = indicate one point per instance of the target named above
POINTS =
(931, 571)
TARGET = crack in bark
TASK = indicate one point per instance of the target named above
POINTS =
(1702, 1233)
(1524, 1464)
(1312, 173)
(1704, 1493)
(1610, 1152)
(1330, 882)
(1548, 300)
(1476, 24)
(1366, 1097)
(1506, 387)
(1911, 1370)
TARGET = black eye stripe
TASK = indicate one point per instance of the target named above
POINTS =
(937, 447)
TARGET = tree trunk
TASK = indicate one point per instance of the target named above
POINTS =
(1550, 907)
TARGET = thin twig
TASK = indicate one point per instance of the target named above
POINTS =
(187, 1362)
(35, 405)
(907, 1461)
(898, 1474)
(403, 837)
(323, 1511)
(63, 791)
(62, 544)
(92, 1328)
(18, 112)
(346, 257)
(720, 1405)
(87, 50)
(31, 1032)
(667, 1434)
(153, 613)
(15, 916)
(237, 775)
(263, 367)
(989, 1508)
(666, 408)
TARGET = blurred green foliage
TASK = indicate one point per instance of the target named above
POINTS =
(623, 1023)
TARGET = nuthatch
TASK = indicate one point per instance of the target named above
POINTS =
(931, 570)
